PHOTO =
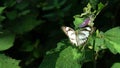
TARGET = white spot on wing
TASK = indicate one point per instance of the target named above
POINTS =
(88, 28)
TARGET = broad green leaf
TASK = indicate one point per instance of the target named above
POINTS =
(8, 62)
(27, 46)
(62, 2)
(113, 37)
(22, 6)
(78, 21)
(87, 55)
(69, 58)
(10, 3)
(11, 15)
(49, 61)
(51, 56)
(116, 65)
(25, 25)
(1, 9)
(110, 47)
(6, 41)
(2, 18)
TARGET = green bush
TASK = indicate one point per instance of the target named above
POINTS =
(31, 34)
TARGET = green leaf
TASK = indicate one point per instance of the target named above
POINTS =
(78, 21)
(1, 9)
(2, 18)
(50, 15)
(87, 10)
(100, 6)
(27, 46)
(8, 62)
(48, 7)
(49, 61)
(6, 41)
(10, 3)
(93, 3)
(25, 12)
(36, 53)
(68, 58)
(25, 25)
(62, 2)
(22, 5)
(116, 65)
(51, 56)
(87, 56)
(67, 8)
(113, 37)
(110, 47)
(54, 4)
(61, 45)
(12, 15)
(99, 44)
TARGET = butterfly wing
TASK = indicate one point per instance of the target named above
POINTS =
(82, 35)
(70, 33)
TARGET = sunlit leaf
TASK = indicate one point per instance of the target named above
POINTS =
(68, 58)
(100, 6)
(1, 9)
(110, 47)
(99, 44)
(116, 65)
(78, 21)
(113, 37)
(6, 41)
(8, 62)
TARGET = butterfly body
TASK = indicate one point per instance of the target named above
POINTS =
(79, 36)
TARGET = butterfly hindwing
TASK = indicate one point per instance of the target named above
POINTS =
(83, 34)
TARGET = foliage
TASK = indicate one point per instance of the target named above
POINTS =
(30, 33)
(6, 41)
(116, 65)
(7, 62)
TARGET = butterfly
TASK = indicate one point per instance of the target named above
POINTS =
(78, 37)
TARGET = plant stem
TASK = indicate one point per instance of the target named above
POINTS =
(94, 61)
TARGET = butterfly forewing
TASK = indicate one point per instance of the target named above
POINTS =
(70, 33)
